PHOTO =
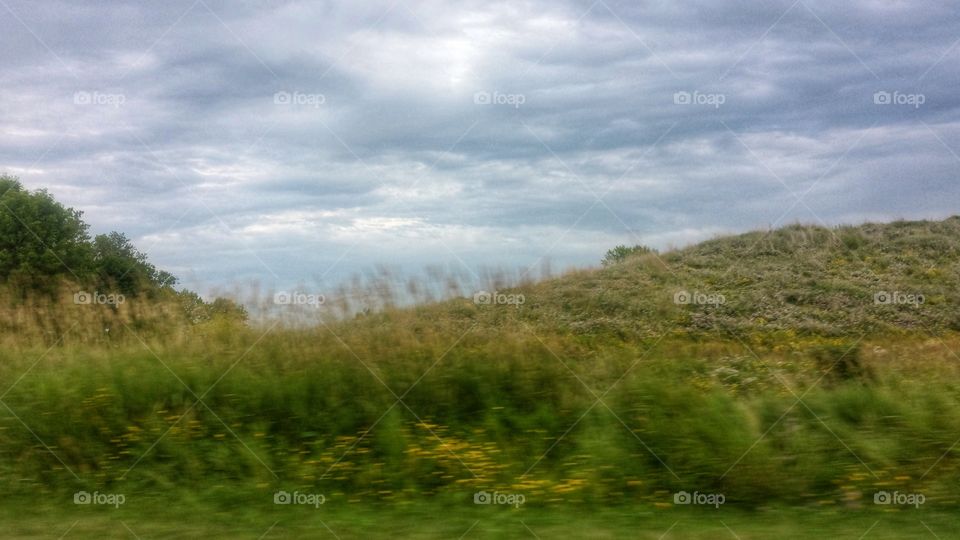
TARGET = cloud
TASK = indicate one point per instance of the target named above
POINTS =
(286, 141)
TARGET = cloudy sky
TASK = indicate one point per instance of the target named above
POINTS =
(292, 141)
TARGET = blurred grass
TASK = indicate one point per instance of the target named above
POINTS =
(598, 391)
(193, 519)
(318, 412)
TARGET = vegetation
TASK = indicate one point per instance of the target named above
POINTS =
(305, 411)
(621, 253)
(800, 369)
(896, 278)
(205, 518)
(47, 254)
(40, 240)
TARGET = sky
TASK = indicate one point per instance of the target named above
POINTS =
(289, 142)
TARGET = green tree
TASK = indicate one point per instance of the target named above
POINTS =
(40, 239)
(119, 264)
(198, 311)
(226, 308)
(44, 244)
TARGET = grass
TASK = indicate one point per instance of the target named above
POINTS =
(175, 519)
(798, 279)
(515, 415)
(797, 399)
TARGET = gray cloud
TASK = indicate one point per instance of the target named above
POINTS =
(288, 141)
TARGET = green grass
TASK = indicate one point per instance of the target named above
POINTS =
(161, 518)
(514, 414)
(597, 399)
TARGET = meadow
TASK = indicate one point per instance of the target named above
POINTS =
(598, 396)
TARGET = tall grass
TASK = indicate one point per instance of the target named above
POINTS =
(256, 409)
(597, 388)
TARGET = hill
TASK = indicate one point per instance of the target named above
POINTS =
(852, 280)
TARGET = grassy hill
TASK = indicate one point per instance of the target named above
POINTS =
(852, 280)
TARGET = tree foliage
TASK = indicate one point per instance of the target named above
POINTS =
(120, 265)
(44, 244)
(40, 239)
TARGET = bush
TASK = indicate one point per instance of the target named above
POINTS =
(622, 253)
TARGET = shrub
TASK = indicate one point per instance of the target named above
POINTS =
(621, 253)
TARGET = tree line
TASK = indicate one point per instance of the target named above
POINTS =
(44, 244)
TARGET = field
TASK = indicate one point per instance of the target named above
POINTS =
(480, 269)
(596, 407)
(212, 433)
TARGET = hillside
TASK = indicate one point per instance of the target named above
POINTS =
(798, 390)
(851, 280)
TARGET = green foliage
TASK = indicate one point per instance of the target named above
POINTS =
(224, 514)
(43, 243)
(120, 266)
(40, 239)
(45, 251)
(693, 397)
(227, 309)
(299, 403)
(198, 310)
(622, 253)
